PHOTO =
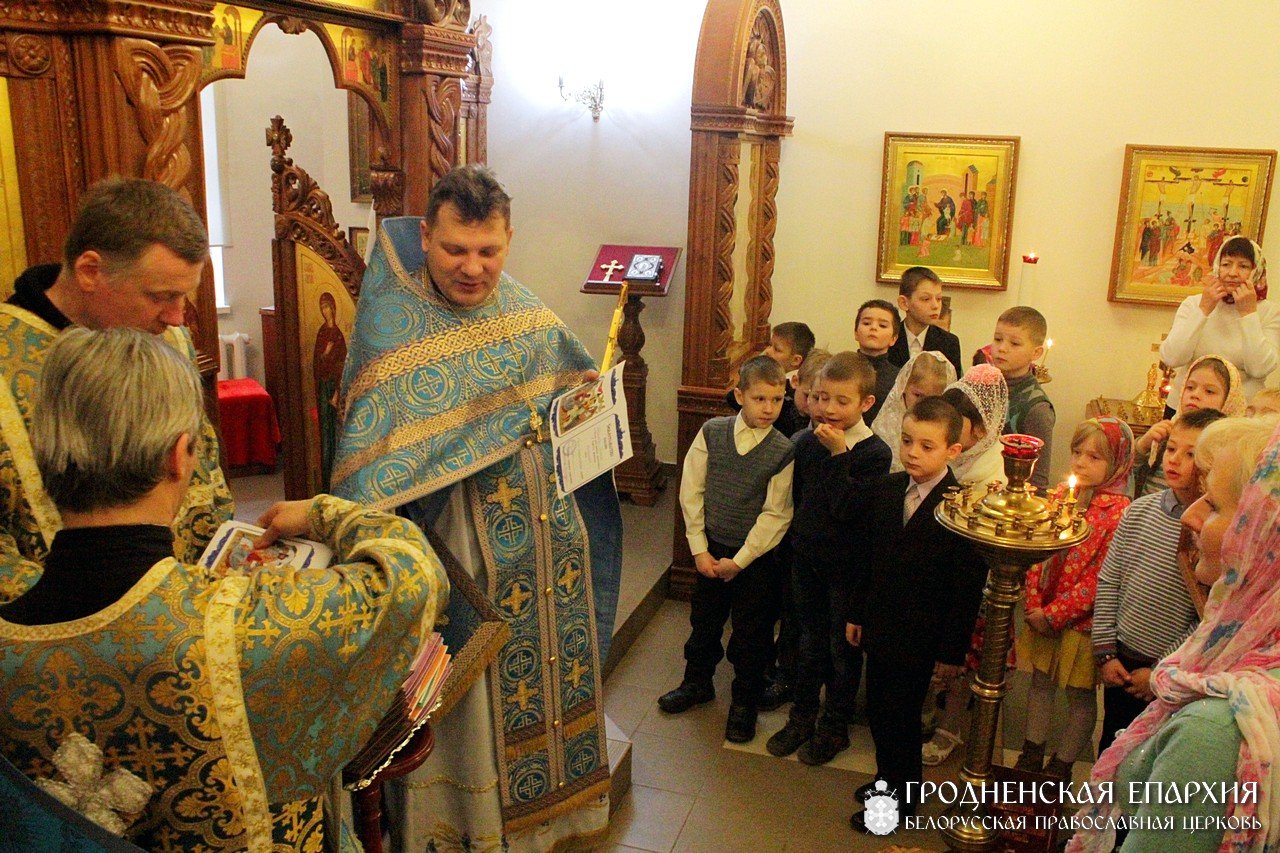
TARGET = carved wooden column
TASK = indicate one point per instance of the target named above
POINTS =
(99, 89)
(739, 111)
(434, 61)
(476, 89)
(387, 183)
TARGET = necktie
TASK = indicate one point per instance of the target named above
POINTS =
(911, 504)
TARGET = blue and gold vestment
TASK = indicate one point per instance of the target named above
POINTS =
(28, 518)
(236, 698)
(436, 402)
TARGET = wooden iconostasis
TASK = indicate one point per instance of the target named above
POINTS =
(90, 90)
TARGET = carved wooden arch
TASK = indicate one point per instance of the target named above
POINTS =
(739, 105)
(294, 25)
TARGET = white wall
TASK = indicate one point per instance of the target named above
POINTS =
(1075, 81)
(289, 76)
(575, 183)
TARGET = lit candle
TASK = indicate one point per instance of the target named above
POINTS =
(1071, 487)
(1027, 281)
(1048, 345)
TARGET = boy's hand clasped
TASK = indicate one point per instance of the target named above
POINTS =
(831, 438)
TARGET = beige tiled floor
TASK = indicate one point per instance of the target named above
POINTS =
(690, 793)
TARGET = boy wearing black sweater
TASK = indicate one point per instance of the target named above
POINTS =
(835, 461)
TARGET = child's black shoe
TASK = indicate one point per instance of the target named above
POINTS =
(790, 738)
(741, 725)
(823, 747)
(686, 696)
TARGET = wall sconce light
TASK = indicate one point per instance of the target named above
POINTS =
(591, 97)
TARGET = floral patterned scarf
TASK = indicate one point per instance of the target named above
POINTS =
(1229, 656)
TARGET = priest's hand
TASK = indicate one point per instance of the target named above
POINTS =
(286, 518)
(590, 376)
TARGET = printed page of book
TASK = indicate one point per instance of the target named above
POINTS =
(231, 550)
(590, 433)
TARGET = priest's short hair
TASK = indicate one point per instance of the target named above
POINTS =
(121, 218)
(109, 406)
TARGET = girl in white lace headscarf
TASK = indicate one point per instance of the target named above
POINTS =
(924, 375)
(981, 393)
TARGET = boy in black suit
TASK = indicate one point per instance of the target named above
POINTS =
(835, 462)
(920, 299)
(915, 595)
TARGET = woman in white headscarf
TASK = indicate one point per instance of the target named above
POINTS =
(1231, 317)
(924, 375)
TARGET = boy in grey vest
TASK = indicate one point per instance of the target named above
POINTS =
(735, 494)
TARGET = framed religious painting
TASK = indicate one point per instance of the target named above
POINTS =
(360, 143)
(1177, 206)
(358, 237)
(946, 202)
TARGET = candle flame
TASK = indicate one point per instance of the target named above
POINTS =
(1048, 342)
(1071, 482)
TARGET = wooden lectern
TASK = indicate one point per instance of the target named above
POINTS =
(640, 477)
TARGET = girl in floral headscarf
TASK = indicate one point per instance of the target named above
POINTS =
(1060, 596)
(1231, 316)
(1215, 718)
(1212, 382)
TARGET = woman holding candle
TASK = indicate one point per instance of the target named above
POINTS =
(1231, 317)
(1060, 596)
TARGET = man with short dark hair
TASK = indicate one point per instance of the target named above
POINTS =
(450, 373)
(132, 258)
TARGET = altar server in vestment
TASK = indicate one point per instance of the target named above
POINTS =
(231, 697)
(132, 258)
(450, 373)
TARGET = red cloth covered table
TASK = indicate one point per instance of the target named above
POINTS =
(250, 431)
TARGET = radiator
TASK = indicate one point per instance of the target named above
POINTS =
(235, 350)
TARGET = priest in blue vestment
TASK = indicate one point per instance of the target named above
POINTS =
(451, 370)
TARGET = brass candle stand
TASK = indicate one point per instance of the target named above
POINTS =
(1013, 528)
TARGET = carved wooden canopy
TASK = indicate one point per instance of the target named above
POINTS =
(109, 87)
(738, 120)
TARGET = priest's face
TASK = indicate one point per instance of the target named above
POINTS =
(150, 294)
(465, 259)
